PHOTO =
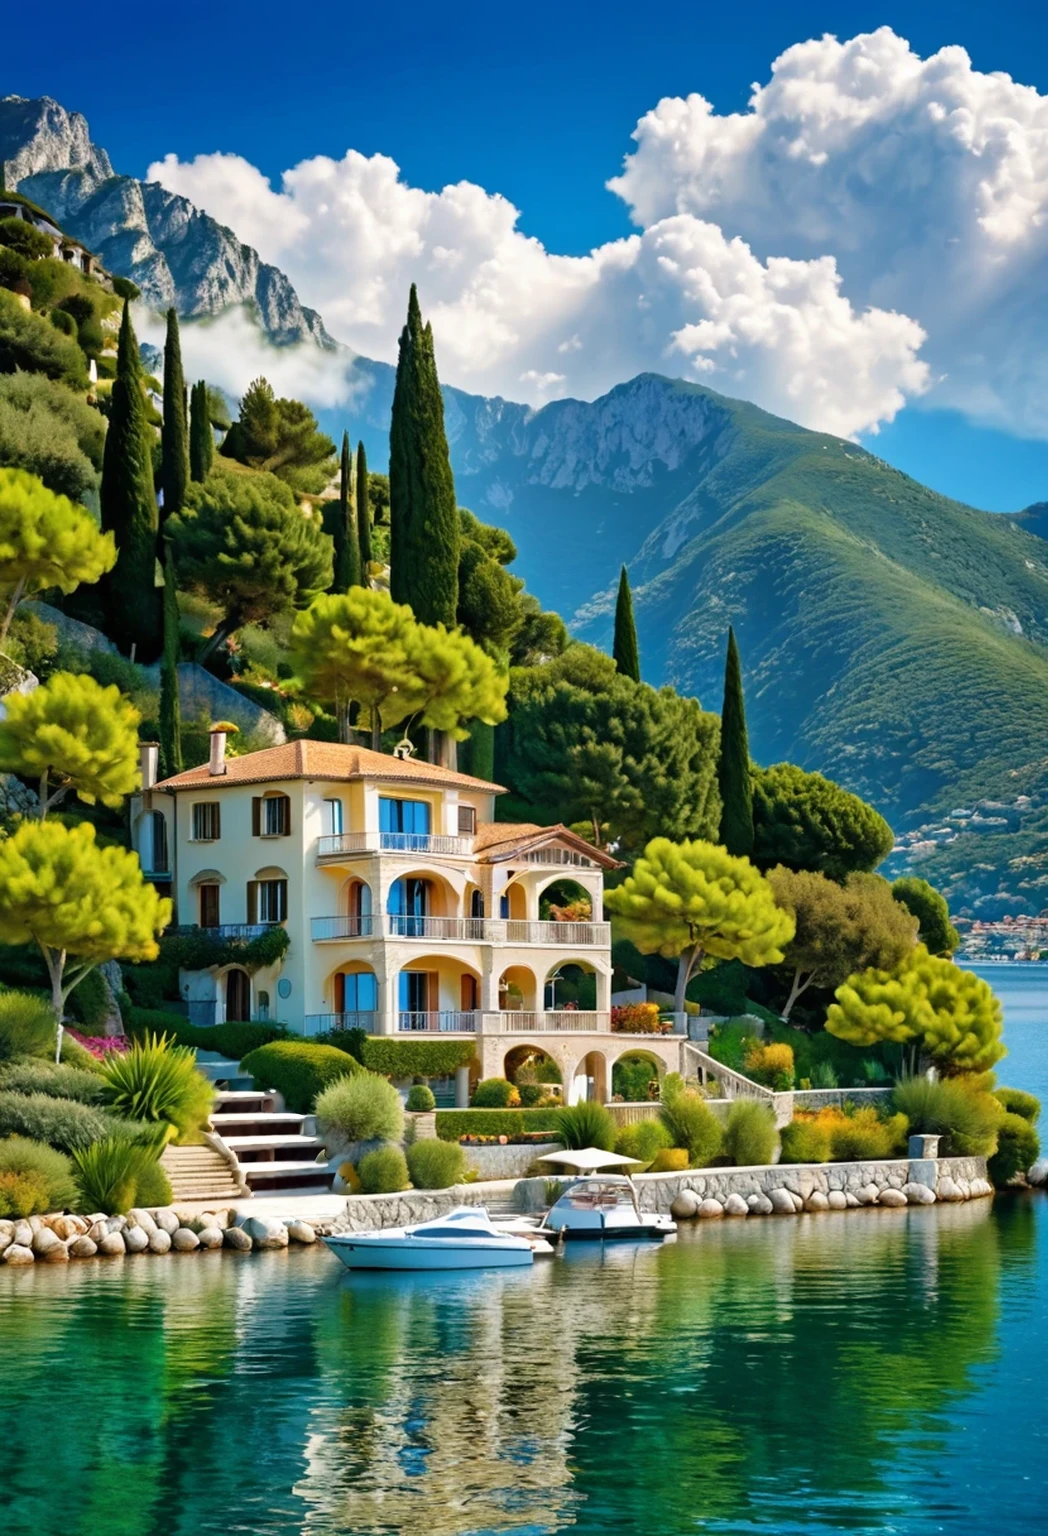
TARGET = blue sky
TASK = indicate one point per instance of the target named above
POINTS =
(535, 103)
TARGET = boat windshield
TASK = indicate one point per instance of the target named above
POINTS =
(459, 1233)
(596, 1196)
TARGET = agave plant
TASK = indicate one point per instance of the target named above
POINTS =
(108, 1174)
(586, 1124)
(157, 1080)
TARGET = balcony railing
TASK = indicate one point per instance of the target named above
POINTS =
(348, 926)
(469, 930)
(405, 925)
(572, 934)
(226, 930)
(445, 1021)
(349, 844)
(324, 1023)
(558, 856)
(521, 1021)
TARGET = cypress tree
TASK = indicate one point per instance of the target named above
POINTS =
(733, 764)
(363, 516)
(132, 604)
(341, 523)
(424, 520)
(170, 709)
(201, 437)
(625, 651)
(174, 435)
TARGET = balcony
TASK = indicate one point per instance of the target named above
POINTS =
(349, 845)
(522, 1021)
(324, 1023)
(226, 930)
(346, 927)
(468, 930)
(447, 1021)
(558, 856)
(570, 935)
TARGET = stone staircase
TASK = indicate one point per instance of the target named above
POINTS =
(276, 1148)
(199, 1173)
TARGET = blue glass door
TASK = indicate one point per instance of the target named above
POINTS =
(404, 824)
(407, 907)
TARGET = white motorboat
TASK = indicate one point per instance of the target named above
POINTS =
(465, 1238)
(603, 1208)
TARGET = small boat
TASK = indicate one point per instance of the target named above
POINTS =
(603, 1208)
(463, 1239)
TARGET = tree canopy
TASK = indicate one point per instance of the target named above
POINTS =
(71, 733)
(807, 822)
(625, 650)
(51, 431)
(33, 344)
(281, 437)
(45, 541)
(733, 760)
(174, 434)
(928, 905)
(690, 900)
(244, 542)
(201, 436)
(340, 522)
(840, 928)
(935, 1011)
(489, 607)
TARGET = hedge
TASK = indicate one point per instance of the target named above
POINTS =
(417, 1058)
(233, 1039)
(298, 1070)
(453, 1123)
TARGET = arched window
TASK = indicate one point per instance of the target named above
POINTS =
(476, 904)
(238, 996)
(262, 1006)
(407, 906)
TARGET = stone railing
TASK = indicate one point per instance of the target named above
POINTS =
(568, 935)
(735, 1085)
(518, 1021)
(341, 845)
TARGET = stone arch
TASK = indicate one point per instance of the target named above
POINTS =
(442, 898)
(525, 1055)
(567, 985)
(518, 990)
(236, 994)
(640, 1054)
(566, 889)
(352, 991)
(356, 901)
(451, 988)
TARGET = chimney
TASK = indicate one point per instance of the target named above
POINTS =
(217, 763)
(147, 763)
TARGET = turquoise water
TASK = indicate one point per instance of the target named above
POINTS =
(882, 1372)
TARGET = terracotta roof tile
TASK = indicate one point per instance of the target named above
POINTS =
(502, 839)
(323, 760)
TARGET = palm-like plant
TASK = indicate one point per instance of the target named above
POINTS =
(158, 1081)
(108, 1174)
(586, 1124)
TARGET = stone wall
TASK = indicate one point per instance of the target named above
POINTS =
(365, 1213)
(508, 1162)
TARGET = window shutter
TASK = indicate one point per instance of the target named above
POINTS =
(256, 816)
(467, 820)
(285, 816)
(252, 899)
(281, 901)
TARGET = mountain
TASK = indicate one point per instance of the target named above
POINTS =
(176, 254)
(890, 637)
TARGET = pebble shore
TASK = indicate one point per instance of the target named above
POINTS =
(59, 1239)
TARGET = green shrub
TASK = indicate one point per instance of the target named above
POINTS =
(670, 1160)
(76, 1055)
(963, 1114)
(14, 271)
(21, 236)
(416, 1058)
(58, 1082)
(643, 1140)
(154, 1186)
(235, 1039)
(420, 1099)
(805, 1141)
(383, 1172)
(586, 1124)
(124, 288)
(158, 1081)
(22, 1194)
(360, 1107)
(30, 342)
(27, 1026)
(51, 432)
(453, 1123)
(531, 1094)
(750, 1137)
(436, 1164)
(693, 1126)
(1018, 1148)
(89, 1003)
(494, 1093)
(109, 1174)
(1018, 1102)
(298, 1069)
(63, 321)
(823, 1075)
(860, 1138)
(21, 1157)
(61, 1123)
(352, 1041)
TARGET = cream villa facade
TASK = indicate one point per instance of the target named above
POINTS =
(409, 909)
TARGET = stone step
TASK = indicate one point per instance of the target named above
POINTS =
(293, 1144)
(284, 1121)
(198, 1173)
(256, 1173)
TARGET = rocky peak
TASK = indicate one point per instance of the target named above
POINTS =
(41, 135)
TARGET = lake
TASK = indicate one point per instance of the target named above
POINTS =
(874, 1372)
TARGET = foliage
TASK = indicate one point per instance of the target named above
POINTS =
(27, 1025)
(154, 1186)
(750, 1137)
(586, 1124)
(14, 272)
(72, 734)
(635, 1078)
(694, 899)
(280, 437)
(298, 1070)
(158, 1081)
(624, 651)
(453, 1123)
(109, 1174)
(363, 514)
(416, 1058)
(636, 1018)
(1018, 1148)
(865, 1137)
(170, 754)
(436, 1164)
(424, 522)
(201, 951)
(174, 434)
(805, 1141)
(62, 321)
(243, 542)
(936, 932)
(489, 598)
(34, 1178)
(841, 928)
(585, 743)
(805, 821)
(201, 437)
(383, 1172)
(420, 1099)
(1017, 1102)
(494, 1093)
(733, 760)
(771, 1063)
(62, 1123)
(21, 236)
(643, 1140)
(56, 1081)
(30, 343)
(927, 1005)
(50, 431)
(45, 541)
(80, 903)
(340, 523)
(692, 1125)
(233, 1039)
(352, 1041)
(963, 1113)
(361, 1107)
(670, 1160)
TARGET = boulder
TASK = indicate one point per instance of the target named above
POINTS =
(781, 1202)
(82, 1247)
(891, 1197)
(869, 1194)
(838, 1200)
(760, 1205)
(735, 1205)
(136, 1239)
(97, 1230)
(817, 1201)
(918, 1194)
(851, 1201)
(685, 1206)
(301, 1232)
(709, 1210)
(238, 1239)
(168, 1222)
(160, 1241)
(141, 1219)
(184, 1241)
(6, 1239)
(116, 1223)
(67, 1227)
(980, 1188)
(19, 1253)
(45, 1242)
(209, 1237)
(798, 1203)
(1037, 1176)
(112, 1245)
(265, 1232)
(22, 1234)
(946, 1189)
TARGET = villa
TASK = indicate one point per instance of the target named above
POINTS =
(409, 909)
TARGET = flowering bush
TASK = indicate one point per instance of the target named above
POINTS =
(578, 911)
(100, 1046)
(639, 1019)
(771, 1064)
